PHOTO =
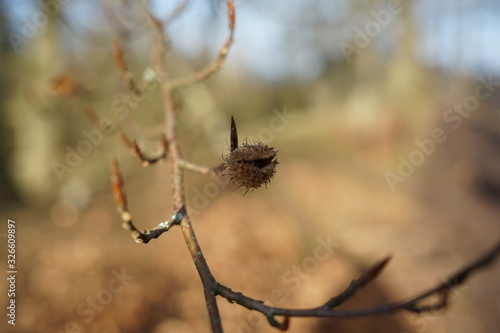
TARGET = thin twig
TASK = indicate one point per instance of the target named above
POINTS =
(127, 76)
(206, 276)
(413, 304)
(175, 156)
(120, 197)
(193, 167)
(176, 12)
(145, 161)
(217, 64)
(356, 285)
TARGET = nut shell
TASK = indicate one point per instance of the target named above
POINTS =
(251, 165)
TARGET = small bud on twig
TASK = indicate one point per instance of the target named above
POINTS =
(64, 85)
(118, 56)
(117, 187)
(134, 147)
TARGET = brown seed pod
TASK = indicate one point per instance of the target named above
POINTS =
(250, 165)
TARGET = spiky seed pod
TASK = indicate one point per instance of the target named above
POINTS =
(251, 164)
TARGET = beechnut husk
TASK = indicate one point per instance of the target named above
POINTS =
(250, 165)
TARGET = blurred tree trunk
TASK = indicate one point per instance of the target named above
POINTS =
(7, 142)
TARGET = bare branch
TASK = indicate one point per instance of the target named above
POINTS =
(134, 147)
(453, 281)
(160, 41)
(217, 64)
(177, 11)
(119, 195)
(127, 77)
(179, 200)
(326, 310)
(189, 166)
(356, 285)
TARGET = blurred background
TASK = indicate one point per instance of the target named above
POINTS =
(386, 117)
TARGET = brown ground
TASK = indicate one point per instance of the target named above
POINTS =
(266, 241)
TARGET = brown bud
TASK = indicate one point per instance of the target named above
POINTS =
(64, 85)
(118, 55)
(117, 187)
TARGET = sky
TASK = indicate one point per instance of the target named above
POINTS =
(280, 39)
